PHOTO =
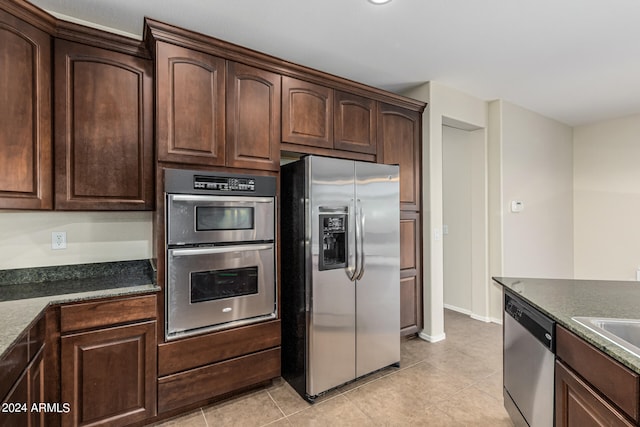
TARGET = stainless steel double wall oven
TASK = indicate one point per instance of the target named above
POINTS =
(220, 251)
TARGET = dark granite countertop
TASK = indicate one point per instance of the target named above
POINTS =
(25, 293)
(562, 299)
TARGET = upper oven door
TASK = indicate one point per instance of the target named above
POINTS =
(195, 219)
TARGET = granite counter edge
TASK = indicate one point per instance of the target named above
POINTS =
(29, 310)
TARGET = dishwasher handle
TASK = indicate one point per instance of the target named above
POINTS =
(538, 324)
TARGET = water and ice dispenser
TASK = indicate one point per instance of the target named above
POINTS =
(333, 235)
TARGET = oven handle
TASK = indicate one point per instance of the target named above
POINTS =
(219, 250)
(201, 198)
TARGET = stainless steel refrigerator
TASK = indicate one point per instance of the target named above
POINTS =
(340, 247)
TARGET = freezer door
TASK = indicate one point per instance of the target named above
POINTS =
(378, 285)
(331, 323)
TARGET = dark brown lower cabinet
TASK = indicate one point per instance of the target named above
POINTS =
(108, 375)
(410, 273)
(579, 405)
(185, 388)
(592, 389)
(18, 406)
(205, 367)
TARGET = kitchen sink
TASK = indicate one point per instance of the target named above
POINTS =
(623, 332)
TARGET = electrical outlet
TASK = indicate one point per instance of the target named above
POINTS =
(58, 240)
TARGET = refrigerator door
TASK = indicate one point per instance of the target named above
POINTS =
(331, 306)
(378, 286)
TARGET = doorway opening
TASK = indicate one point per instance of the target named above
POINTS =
(464, 226)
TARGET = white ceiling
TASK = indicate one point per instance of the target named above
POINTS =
(577, 61)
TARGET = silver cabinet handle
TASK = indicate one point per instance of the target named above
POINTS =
(218, 250)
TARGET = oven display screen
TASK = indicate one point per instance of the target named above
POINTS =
(219, 284)
(212, 218)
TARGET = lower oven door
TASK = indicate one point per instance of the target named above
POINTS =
(219, 287)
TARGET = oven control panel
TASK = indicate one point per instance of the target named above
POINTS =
(222, 183)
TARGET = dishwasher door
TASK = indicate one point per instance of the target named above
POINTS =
(528, 377)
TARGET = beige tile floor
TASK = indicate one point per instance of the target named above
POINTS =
(455, 382)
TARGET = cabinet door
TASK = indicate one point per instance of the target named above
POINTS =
(16, 413)
(399, 133)
(355, 123)
(307, 113)
(190, 89)
(109, 375)
(103, 129)
(25, 116)
(28, 390)
(253, 118)
(578, 405)
(410, 273)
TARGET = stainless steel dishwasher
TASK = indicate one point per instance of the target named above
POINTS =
(528, 376)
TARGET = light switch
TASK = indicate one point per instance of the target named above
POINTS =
(517, 206)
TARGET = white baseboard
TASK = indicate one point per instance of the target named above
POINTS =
(486, 319)
(457, 309)
(497, 320)
(430, 338)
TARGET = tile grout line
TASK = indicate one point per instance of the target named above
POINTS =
(278, 406)
(206, 423)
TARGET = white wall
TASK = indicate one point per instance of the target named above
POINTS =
(607, 199)
(452, 106)
(535, 157)
(464, 216)
(25, 237)
(456, 215)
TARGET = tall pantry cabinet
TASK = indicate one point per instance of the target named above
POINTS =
(399, 142)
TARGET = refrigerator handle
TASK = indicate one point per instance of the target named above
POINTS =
(352, 267)
(360, 240)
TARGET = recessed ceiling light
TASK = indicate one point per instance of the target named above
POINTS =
(379, 1)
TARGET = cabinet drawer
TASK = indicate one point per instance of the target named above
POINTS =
(616, 382)
(207, 382)
(88, 315)
(199, 351)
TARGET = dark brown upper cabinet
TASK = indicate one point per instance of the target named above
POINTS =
(103, 129)
(214, 112)
(25, 115)
(307, 113)
(399, 133)
(253, 118)
(354, 123)
(190, 110)
(321, 117)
